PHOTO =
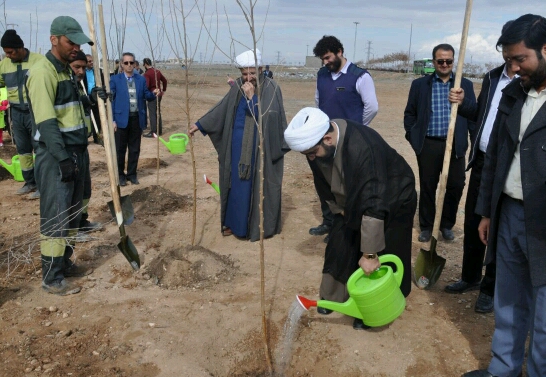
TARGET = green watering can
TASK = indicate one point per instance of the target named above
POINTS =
(14, 168)
(177, 143)
(376, 299)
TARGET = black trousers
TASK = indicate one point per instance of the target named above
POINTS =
(323, 191)
(25, 144)
(430, 163)
(473, 247)
(128, 138)
(155, 116)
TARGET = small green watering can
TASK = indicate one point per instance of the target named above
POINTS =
(376, 299)
(14, 168)
(177, 143)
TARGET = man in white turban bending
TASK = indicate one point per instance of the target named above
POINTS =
(374, 198)
(232, 127)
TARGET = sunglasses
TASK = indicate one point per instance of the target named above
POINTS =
(127, 63)
(442, 61)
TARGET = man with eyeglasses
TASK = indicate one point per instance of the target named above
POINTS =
(512, 202)
(60, 129)
(426, 121)
(373, 198)
(13, 71)
(129, 95)
(90, 83)
(483, 113)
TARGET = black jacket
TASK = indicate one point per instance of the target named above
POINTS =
(500, 152)
(477, 112)
(419, 109)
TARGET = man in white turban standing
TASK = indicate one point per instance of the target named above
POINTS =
(374, 198)
(232, 127)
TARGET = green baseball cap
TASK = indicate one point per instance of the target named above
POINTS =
(70, 28)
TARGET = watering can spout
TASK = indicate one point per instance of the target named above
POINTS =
(348, 308)
(168, 145)
(9, 167)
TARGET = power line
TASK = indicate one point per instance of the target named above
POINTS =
(354, 47)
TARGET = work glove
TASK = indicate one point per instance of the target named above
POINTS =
(68, 169)
(97, 91)
(86, 102)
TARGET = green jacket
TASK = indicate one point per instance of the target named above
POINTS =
(12, 76)
(55, 106)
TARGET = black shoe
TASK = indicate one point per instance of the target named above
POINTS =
(327, 238)
(149, 134)
(359, 325)
(134, 180)
(461, 286)
(122, 181)
(61, 288)
(447, 234)
(478, 373)
(484, 303)
(89, 226)
(320, 230)
(425, 236)
(27, 188)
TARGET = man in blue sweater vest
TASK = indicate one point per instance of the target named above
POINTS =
(343, 91)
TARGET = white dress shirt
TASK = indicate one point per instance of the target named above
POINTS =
(488, 126)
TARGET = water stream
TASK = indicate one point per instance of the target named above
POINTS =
(284, 349)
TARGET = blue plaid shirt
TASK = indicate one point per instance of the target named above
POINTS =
(441, 108)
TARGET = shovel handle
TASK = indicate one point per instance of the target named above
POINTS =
(452, 120)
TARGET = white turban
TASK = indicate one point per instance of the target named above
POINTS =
(246, 59)
(306, 129)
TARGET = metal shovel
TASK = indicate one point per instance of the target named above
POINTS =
(125, 245)
(126, 209)
(429, 265)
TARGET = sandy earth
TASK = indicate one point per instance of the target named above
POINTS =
(195, 311)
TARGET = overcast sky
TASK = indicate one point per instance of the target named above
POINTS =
(289, 29)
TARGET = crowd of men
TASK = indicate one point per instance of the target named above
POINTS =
(367, 191)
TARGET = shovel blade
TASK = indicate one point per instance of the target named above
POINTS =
(126, 209)
(130, 252)
(428, 267)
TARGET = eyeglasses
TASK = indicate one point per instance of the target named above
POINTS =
(313, 151)
(127, 63)
(442, 61)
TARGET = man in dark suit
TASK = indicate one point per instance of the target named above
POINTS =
(484, 113)
(89, 82)
(426, 121)
(267, 72)
(129, 96)
(512, 202)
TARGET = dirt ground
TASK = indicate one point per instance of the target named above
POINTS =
(195, 311)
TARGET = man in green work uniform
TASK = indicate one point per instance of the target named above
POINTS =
(12, 74)
(60, 130)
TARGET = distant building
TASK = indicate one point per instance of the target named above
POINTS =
(313, 62)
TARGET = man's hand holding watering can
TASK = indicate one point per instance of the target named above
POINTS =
(369, 263)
